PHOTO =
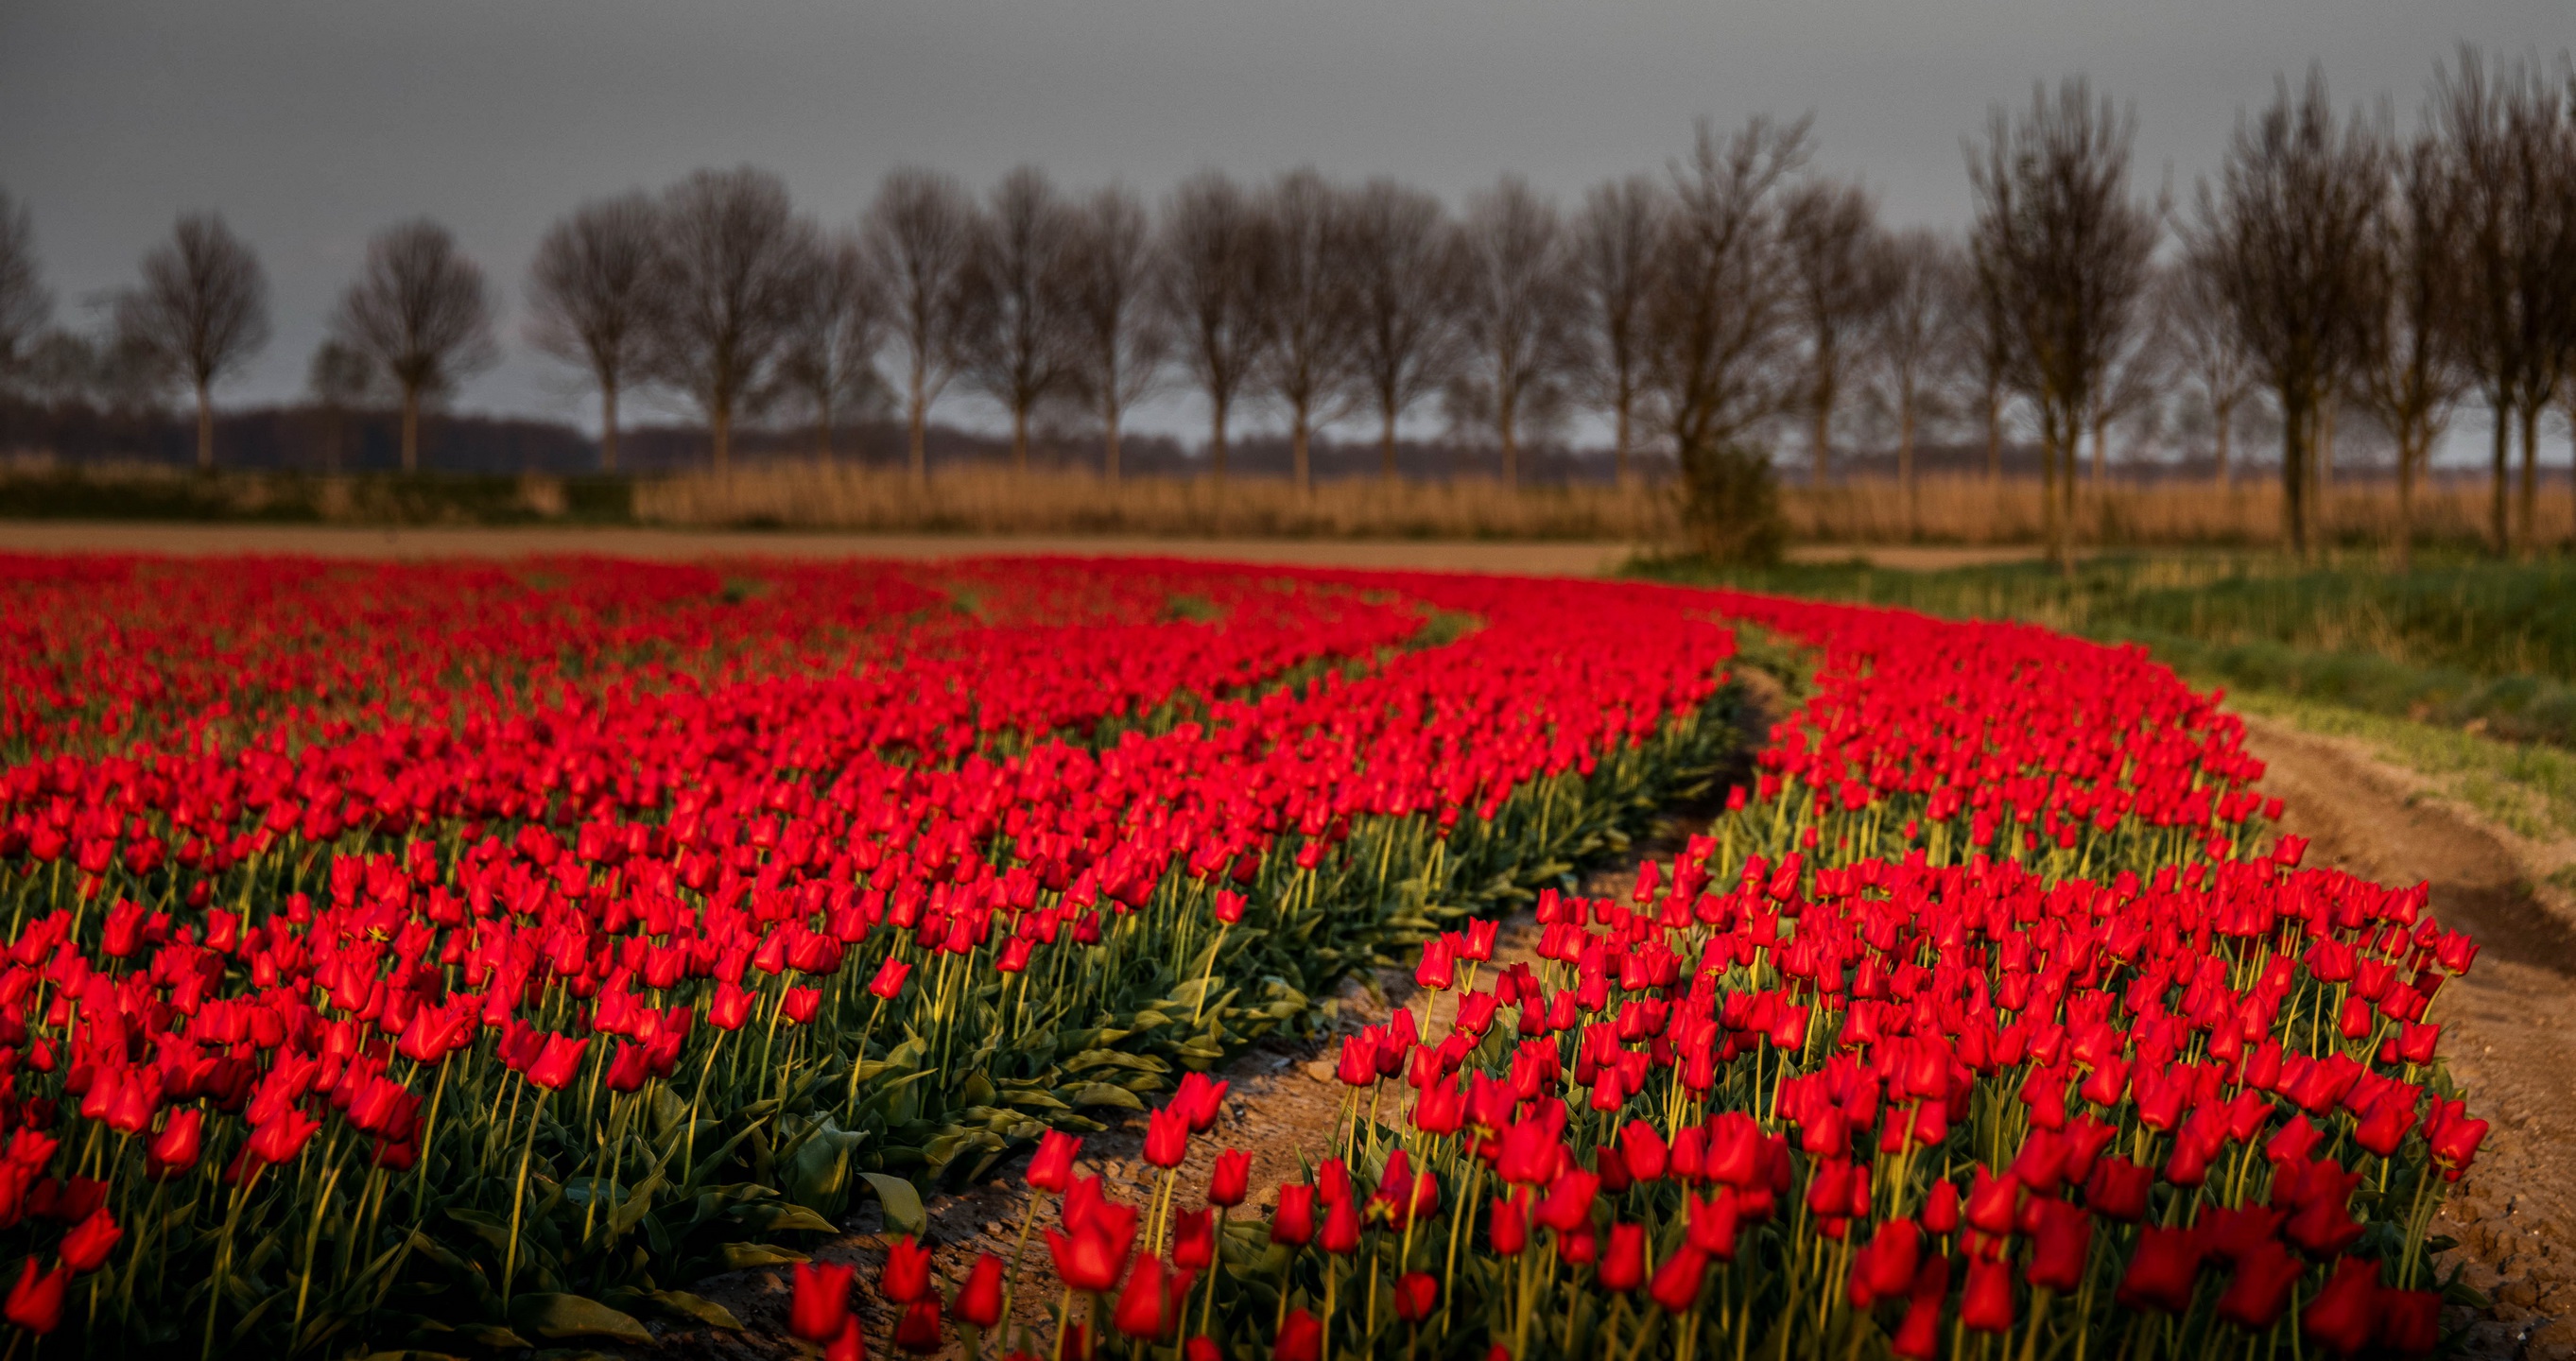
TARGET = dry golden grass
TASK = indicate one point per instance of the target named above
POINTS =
(1974, 510)
(996, 501)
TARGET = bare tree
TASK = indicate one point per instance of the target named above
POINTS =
(1123, 338)
(2062, 253)
(1992, 355)
(343, 381)
(2503, 129)
(1216, 264)
(25, 305)
(420, 310)
(2406, 371)
(1406, 287)
(1721, 329)
(2206, 348)
(1614, 257)
(921, 247)
(2281, 235)
(1305, 308)
(201, 312)
(594, 298)
(732, 276)
(1915, 336)
(1519, 315)
(2135, 375)
(1021, 351)
(828, 363)
(1830, 227)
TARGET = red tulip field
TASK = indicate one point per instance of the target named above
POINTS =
(459, 958)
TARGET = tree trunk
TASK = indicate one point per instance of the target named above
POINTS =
(2407, 454)
(2050, 520)
(205, 430)
(1821, 440)
(2294, 475)
(608, 427)
(1386, 442)
(1905, 462)
(1109, 440)
(1994, 435)
(2322, 509)
(721, 423)
(2503, 452)
(1297, 449)
(1019, 437)
(2526, 531)
(1509, 426)
(411, 434)
(1619, 443)
(917, 419)
(823, 423)
(1216, 440)
(2225, 420)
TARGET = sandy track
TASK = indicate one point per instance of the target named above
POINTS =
(2510, 1023)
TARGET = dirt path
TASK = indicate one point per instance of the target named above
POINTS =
(2510, 1023)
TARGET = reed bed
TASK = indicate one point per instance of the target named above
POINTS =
(1975, 510)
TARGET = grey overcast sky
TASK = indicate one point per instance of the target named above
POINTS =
(311, 125)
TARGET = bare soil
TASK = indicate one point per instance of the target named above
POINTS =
(2509, 1023)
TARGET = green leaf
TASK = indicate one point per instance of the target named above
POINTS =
(574, 1316)
(902, 1203)
(491, 1335)
(1101, 1094)
(745, 1256)
(698, 1307)
(779, 1218)
(1114, 1058)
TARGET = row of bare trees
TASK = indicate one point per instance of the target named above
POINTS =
(2334, 264)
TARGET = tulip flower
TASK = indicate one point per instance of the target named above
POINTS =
(1506, 1228)
(1623, 1262)
(1167, 1137)
(979, 1300)
(1051, 1169)
(906, 1275)
(89, 1242)
(555, 1069)
(1090, 1258)
(1142, 1309)
(1988, 1304)
(1230, 1178)
(1341, 1232)
(36, 1302)
(917, 1330)
(888, 982)
(1293, 1223)
(2260, 1290)
(1678, 1281)
(821, 1301)
(1300, 1338)
(176, 1148)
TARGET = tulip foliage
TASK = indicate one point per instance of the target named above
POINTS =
(466, 957)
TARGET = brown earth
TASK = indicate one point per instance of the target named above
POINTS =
(2509, 1024)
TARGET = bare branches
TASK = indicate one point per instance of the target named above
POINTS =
(1915, 331)
(921, 245)
(201, 312)
(421, 311)
(1406, 286)
(733, 272)
(828, 362)
(1020, 348)
(1303, 305)
(1614, 253)
(595, 298)
(1519, 314)
(25, 305)
(2278, 236)
(1829, 228)
(1121, 338)
(2406, 371)
(2062, 255)
(1216, 260)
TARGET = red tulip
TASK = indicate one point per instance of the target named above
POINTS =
(2260, 1290)
(555, 1069)
(176, 1148)
(1230, 1179)
(1642, 1151)
(1678, 1281)
(1988, 1304)
(1341, 1235)
(1051, 1169)
(917, 1331)
(1193, 1239)
(1300, 1338)
(1507, 1228)
(1918, 1338)
(1142, 1308)
(821, 1302)
(979, 1301)
(889, 979)
(1167, 1137)
(906, 1276)
(1293, 1223)
(1623, 1263)
(89, 1242)
(36, 1302)
(2344, 1313)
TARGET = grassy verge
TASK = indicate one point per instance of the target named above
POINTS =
(2523, 786)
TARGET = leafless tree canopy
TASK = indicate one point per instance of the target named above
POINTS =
(1915, 335)
(1121, 340)
(2207, 352)
(1303, 302)
(734, 269)
(200, 312)
(920, 236)
(421, 311)
(2279, 235)
(1519, 314)
(1216, 261)
(2406, 370)
(1406, 290)
(1020, 350)
(2062, 253)
(25, 305)
(1830, 228)
(1615, 238)
(828, 362)
(2512, 147)
(1721, 326)
(595, 298)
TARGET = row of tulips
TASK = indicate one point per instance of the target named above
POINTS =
(1888, 1108)
(342, 1009)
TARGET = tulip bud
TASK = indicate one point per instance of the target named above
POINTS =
(1052, 1168)
(1230, 1178)
(979, 1301)
(821, 1303)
